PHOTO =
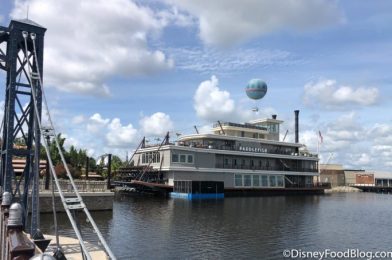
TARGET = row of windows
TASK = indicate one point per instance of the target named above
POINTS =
(151, 157)
(257, 180)
(182, 158)
(242, 162)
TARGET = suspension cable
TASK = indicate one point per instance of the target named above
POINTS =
(25, 34)
(98, 232)
(56, 231)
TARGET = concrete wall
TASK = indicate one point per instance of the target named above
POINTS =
(351, 176)
(335, 177)
(94, 201)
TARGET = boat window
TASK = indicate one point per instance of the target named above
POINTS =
(272, 180)
(247, 180)
(174, 157)
(143, 158)
(256, 180)
(190, 158)
(280, 181)
(238, 180)
(264, 180)
(182, 158)
(226, 161)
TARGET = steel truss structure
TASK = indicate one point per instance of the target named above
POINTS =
(20, 122)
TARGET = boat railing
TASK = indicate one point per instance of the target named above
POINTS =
(324, 185)
(265, 168)
(249, 126)
(251, 149)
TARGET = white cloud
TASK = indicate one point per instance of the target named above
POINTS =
(211, 103)
(70, 141)
(119, 135)
(96, 123)
(229, 22)
(156, 124)
(353, 143)
(328, 94)
(381, 134)
(174, 16)
(213, 60)
(89, 41)
(205, 129)
(381, 149)
(78, 119)
(99, 135)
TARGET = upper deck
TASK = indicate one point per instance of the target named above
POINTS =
(258, 136)
(267, 129)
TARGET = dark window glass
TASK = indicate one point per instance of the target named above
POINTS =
(238, 180)
(247, 180)
(190, 158)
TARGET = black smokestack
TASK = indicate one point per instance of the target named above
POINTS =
(296, 112)
(273, 116)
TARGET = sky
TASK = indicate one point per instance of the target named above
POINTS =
(115, 71)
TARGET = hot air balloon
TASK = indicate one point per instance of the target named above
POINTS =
(256, 89)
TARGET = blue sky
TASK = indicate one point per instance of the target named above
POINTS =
(117, 71)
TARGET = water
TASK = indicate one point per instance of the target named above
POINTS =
(239, 228)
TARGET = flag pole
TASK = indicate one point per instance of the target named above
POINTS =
(318, 154)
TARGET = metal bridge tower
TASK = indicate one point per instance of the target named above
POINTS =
(19, 122)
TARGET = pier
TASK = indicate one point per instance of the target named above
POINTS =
(374, 188)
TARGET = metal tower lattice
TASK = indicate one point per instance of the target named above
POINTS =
(20, 122)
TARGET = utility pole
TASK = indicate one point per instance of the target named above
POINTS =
(109, 186)
(87, 166)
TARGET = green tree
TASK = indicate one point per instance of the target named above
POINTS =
(54, 152)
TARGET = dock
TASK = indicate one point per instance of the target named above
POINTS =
(71, 248)
(374, 188)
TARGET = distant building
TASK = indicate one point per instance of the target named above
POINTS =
(383, 179)
(332, 173)
(358, 177)
(20, 164)
(337, 176)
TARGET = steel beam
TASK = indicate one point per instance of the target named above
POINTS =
(19, 121)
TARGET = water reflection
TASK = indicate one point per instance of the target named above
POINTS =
(258, 227)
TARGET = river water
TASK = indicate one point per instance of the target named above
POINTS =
(239, 228)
